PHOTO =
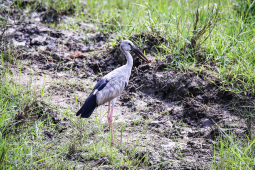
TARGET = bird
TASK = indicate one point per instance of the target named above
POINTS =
(110, 87)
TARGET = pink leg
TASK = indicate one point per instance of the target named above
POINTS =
(109, 116)
(111, 123)
(109, 106)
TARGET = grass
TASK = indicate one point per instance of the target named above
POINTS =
(235, 153)
(14, 148)
(26, 145)
(216, 37)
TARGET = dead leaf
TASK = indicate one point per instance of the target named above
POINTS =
(77, 54)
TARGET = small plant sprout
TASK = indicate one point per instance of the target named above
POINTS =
(43, 86)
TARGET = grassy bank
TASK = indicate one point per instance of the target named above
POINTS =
(215, 36)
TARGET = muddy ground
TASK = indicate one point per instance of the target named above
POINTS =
(174, 116)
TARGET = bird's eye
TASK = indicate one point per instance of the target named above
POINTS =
(130, 45)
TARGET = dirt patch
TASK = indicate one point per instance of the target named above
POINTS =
(43, 38)
(51, 49)
(149, 43)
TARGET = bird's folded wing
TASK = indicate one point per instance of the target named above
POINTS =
(111, 89)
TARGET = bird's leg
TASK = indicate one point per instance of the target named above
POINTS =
(109, 106)
(111, 123)
(109, 117)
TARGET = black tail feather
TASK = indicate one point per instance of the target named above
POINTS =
(88, 107)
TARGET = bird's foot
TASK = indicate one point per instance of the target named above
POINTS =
(114, 143)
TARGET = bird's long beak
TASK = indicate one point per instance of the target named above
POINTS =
(140, 54)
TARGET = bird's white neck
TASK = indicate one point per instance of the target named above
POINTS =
(129, 58)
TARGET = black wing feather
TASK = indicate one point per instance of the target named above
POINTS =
(91, 102)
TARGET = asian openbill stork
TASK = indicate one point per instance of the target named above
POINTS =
(111, 85)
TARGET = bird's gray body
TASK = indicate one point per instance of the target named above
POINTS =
(111, 85)
(116, 80)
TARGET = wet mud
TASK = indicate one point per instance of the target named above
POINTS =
(182, 112)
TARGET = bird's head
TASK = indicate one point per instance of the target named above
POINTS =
(127, 45)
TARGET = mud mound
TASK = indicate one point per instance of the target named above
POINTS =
(202, 101)
(149, 42)
(171, 85)
(63, 42)
(198, 114)
(49, 49)
(161, 82)
(109, 62)
(115, 58)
